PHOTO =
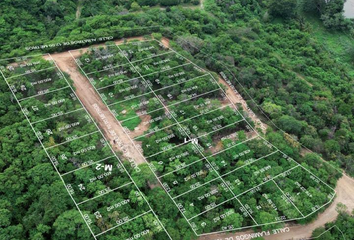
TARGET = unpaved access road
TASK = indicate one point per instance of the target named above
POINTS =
(107, 122)
(236, 98)
(345, 195)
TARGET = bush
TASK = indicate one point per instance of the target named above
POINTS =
(169, 2)
(195, 2)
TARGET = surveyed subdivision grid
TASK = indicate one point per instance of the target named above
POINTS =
(221, 174)
(95, 178)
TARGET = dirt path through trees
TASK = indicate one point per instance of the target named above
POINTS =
(236, 98)
(98, 110)
(79, 8)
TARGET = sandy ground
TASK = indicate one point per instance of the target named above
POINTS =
(98, 110)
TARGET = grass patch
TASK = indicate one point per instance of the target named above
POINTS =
(335, 42)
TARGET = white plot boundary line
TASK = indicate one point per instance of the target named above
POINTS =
(131, 79)
(235, 197)
(216, 206)
(157, 90)
(102, 136)
(223, 175)
(199, 186)
(265, 224)
(292, 203)
(197, 148)
(44, 93)
(24, 74)
(271, 179)
(202, 135)
(132, 41)
(261, 109)
(154, 171)
(249, 123)
(168, 69)
(250, 163)
(77, 169)
(114, 152)
(24, 58)
(201, 159)
(122, 65)
(86, 135)
(158, 178)
(255, 104)
(137, 149)
(329, 229)
(131, 219)
(61, 178)
(111, 190)
(46, 119)
(173, 104)
(185, 120)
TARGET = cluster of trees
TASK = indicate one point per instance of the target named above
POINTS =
(342, 228)
(329, 11)
(122, 7)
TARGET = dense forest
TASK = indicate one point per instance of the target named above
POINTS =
(279, 67)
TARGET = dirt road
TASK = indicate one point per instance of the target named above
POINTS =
(236, 98)
(345, 195)
(98, 110)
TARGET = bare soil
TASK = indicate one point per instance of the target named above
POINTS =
(142, 127)
(236, 98)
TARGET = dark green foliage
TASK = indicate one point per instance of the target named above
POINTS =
(169, 2)
(330, 12)
(283, 8)
(342, 228)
